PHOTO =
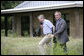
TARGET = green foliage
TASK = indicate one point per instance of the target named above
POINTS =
(2, 32)
(2, 19)
(26, 34)
(9, 4)
(58, 50)
(29, 46)
(2, 22)
(19, 46)
(9, 22)
(16, 45)
(10, 34)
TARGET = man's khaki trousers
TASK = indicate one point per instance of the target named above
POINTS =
(46, 40)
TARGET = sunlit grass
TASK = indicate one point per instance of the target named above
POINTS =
(75, 46)
(29, 46)
(17, 45)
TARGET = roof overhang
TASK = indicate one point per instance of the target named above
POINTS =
(68, 5)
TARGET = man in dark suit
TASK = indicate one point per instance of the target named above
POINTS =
(60, 35)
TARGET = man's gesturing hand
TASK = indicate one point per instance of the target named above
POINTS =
(52, 36)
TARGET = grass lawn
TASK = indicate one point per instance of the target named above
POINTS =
(29, 46)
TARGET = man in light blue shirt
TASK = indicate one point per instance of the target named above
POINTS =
(48, 27)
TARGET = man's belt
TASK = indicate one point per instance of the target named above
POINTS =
(47, 33)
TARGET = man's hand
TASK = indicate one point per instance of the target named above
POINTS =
(52, 36)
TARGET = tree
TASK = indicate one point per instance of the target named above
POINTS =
(9, 4)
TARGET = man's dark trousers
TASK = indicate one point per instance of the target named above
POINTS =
(61, 35)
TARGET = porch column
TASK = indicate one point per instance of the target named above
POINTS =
(77, 23)
(31, 29)
(6, 29)
(18, 25)
(13, 24)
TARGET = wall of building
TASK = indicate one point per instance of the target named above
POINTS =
(71, 11)
(17, 24)
(49, 15)
(81, 21)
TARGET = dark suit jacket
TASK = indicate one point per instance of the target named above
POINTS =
(61, 33)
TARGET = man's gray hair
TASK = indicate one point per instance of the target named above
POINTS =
(41, 16)
(58, 12)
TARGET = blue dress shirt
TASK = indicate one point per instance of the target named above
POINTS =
(47, 27)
